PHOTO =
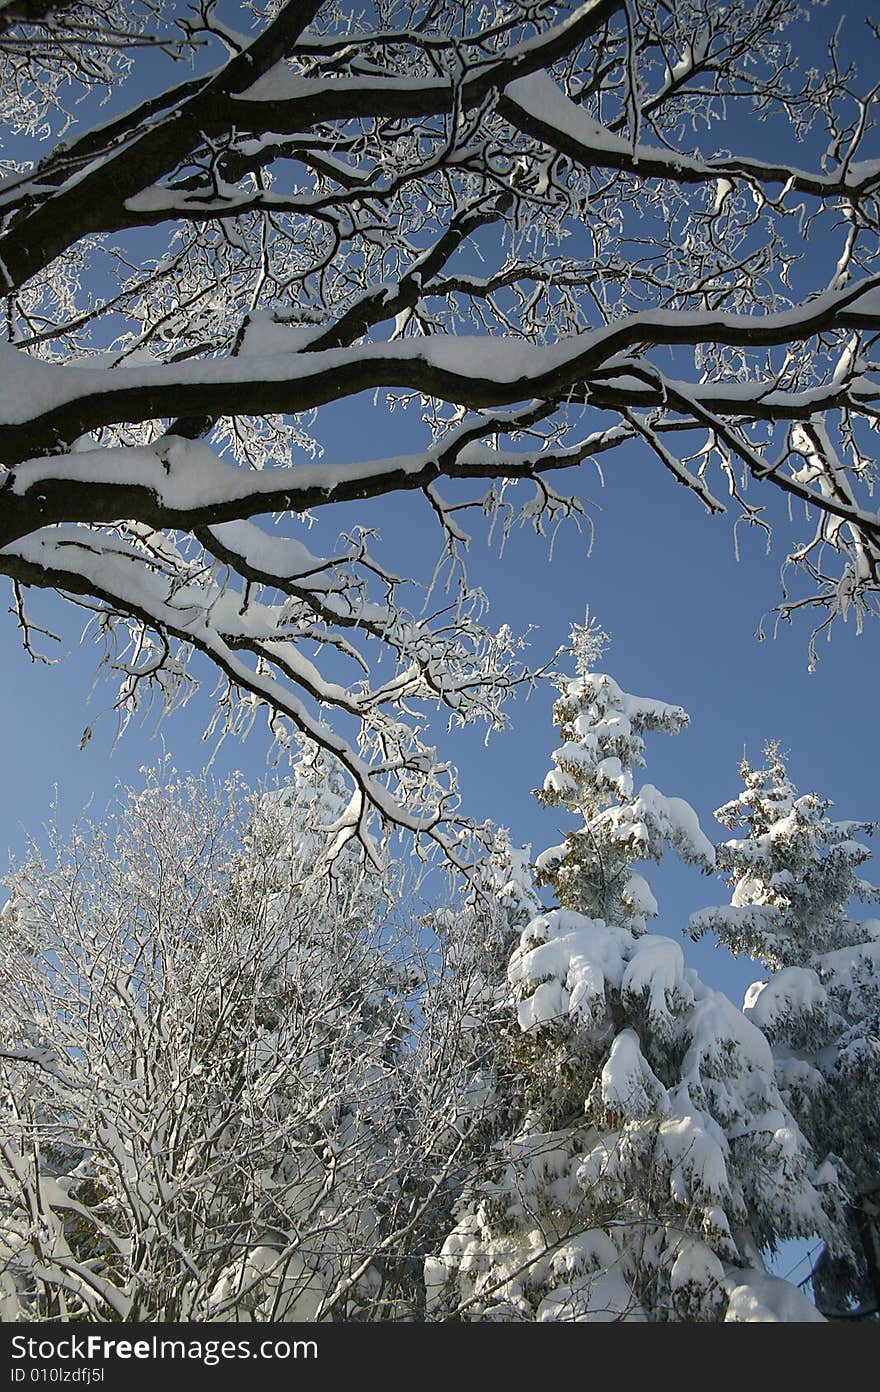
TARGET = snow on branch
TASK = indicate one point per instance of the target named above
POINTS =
(534, 234)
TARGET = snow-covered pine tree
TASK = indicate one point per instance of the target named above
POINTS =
(793, 876)
(653, 1157)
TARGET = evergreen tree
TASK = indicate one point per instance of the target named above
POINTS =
(653, 1157)
(793, 875)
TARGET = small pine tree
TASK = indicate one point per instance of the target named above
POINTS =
(792, 876)
(653, 1156)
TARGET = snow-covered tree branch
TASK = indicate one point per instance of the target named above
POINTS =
(562, 231)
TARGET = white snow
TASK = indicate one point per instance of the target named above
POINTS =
(651, 816)
(758, 1297)
(570, 968)
(695, 1265)
(629, 1087)
(539, 96)
(693, 1151)
(601, 1297)
(656, 973)
(792, 992)
(264, 336)
(639, 896)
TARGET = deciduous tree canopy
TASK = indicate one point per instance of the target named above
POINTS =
(559, 230)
